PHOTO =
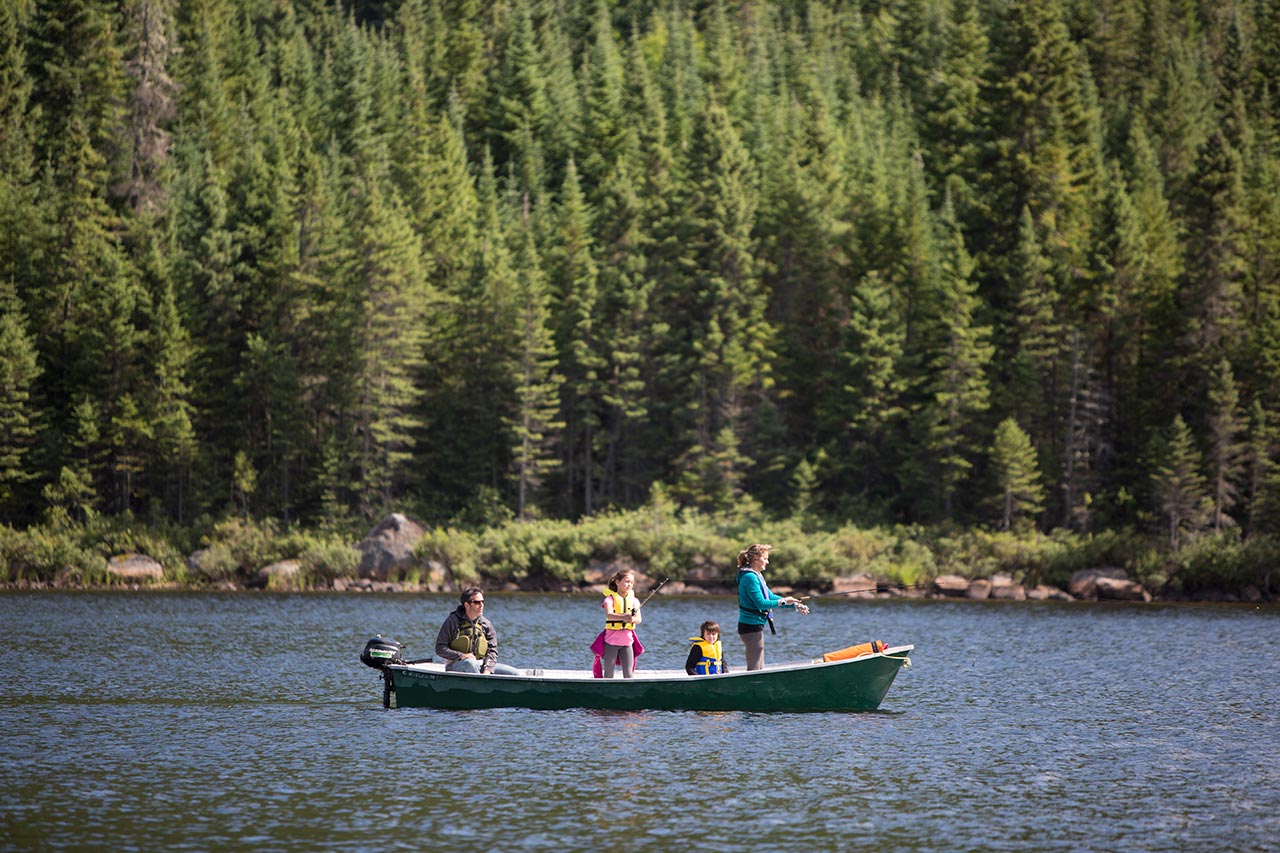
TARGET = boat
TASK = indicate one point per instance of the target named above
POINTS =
(832, 684)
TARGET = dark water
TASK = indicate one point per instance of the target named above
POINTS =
(244, 722)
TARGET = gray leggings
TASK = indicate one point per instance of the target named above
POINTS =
(754, 649)
(625, 654)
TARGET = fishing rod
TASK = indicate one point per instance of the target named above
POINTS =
(652, 593)
(846, 592)
(861, 590)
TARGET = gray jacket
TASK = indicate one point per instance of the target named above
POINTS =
(457, 619)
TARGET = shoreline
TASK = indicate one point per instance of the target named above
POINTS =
(362, 586)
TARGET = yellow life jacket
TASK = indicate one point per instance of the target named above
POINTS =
(621, 609)
(712, 658)
(470, 638)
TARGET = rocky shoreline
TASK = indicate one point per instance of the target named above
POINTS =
(388, 553)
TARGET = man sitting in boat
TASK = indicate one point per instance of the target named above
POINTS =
(467, 641)
(706, 657)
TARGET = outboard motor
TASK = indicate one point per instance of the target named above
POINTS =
(380, 651)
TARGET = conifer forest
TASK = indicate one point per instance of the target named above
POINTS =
(1000, 264)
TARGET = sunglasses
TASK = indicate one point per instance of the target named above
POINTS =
(476, 601)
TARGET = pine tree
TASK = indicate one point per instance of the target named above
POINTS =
(1177, 481)
(535, 427)
(573, 278)
(72, 496)
(19, 418)
(1212, 283)
(1226, 427)
(954, 348)
(470, 408)
(871, 385)
(23, 226)
(1016, 474)
(171, 408)
(717, 364)
(1259, 460)
(520, 111)
(950, 117)
(604, 135)
(393, 298)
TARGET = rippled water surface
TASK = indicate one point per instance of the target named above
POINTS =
(244, 722)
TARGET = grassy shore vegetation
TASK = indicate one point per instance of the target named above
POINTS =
(944, 285)
(661, 538)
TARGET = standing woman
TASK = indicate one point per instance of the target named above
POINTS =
(621, 616)
(755, 601)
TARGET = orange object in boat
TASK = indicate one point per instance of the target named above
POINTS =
(857, 651)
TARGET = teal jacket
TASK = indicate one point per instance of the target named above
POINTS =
(754, 598)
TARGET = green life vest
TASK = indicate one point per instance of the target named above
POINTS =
(470, 638)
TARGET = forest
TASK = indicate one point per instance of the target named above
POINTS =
(996, 265)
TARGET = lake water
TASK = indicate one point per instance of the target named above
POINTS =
(244, 722)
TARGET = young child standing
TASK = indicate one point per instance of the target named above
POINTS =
(706, 657)
(621, 616)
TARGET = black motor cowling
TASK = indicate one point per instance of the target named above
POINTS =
(380, 651)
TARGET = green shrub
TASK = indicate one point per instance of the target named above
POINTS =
(456, 549)
(49, 555)
(325, 558)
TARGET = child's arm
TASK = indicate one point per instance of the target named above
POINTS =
(695, 655)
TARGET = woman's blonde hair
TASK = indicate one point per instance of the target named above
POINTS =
(747, 556)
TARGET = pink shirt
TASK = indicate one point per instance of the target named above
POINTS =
(617, 636)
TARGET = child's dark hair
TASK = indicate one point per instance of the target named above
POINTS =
(709, 626)
(619, 575)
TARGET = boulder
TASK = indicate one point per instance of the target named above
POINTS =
(1121, 589)
(135, 568)
(857, 586)
(284, 574)
(439, 578)
(1084, 583)
(952, 586)
(388, 548)
(707, 572)
(979, 589)
(1009, 591)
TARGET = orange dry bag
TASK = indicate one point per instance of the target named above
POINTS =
(855, 651)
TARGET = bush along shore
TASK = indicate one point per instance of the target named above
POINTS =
(693, 553)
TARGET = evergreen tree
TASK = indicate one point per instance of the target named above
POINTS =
(871, 385)
(472, 398)
(954, 348)
(1016, 474)
(23, 229)
(71, 497)
(393, 298)
(535, 427)
(1212, 284)
(1259, 459)
(1226, 427)
(1177, 481)
(171, 407)
(573, 278)
(950, 115)
(716, 363)
(19, 418)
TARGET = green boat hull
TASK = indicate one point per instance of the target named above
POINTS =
(851, 685)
